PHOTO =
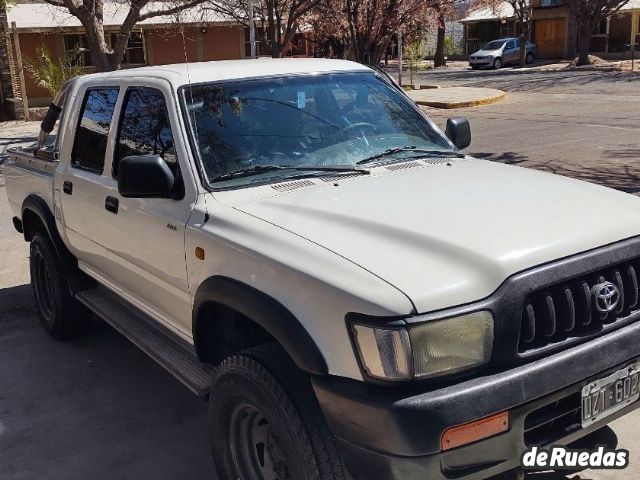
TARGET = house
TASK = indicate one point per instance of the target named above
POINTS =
(194, 35)
(553, 29)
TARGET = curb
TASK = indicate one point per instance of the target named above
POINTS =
(462, 104)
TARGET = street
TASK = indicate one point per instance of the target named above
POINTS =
(97, 408)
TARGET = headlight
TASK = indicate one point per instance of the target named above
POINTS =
(430, 349)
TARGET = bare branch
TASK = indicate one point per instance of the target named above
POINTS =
(171, 11)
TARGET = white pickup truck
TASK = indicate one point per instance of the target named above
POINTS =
(299, 244)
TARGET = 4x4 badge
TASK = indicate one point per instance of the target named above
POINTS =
(605, 296)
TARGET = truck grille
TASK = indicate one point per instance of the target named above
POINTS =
(567, 310)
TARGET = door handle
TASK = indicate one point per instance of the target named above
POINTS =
(111, 204)
(67, 187)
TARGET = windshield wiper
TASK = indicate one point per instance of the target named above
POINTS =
(409, 148)
(258, 169)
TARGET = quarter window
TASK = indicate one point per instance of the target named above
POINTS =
(145, 128)
(92, 133)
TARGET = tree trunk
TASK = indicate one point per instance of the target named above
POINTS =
(585, 43)
(6, 88)
(523, 50)
(439, 60)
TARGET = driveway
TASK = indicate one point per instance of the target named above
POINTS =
(97, 408)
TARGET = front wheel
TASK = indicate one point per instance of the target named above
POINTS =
(497, 63)
(265, 422)
(529, 58)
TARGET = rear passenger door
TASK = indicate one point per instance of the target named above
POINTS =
(146, 235)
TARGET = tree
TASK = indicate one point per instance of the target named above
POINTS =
(440, 59)
(51, 74)
(522, 12)
(367, 27)
(588, 14)
(91, 16)
(415, 54)
(278, 20)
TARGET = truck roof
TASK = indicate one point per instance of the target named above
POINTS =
(185, 73)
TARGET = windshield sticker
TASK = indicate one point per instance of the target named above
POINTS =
(302, 99)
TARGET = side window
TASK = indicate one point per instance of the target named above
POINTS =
(144, 128)
(92, 132)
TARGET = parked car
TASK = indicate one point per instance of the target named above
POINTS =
(498, 53)
(299, 244)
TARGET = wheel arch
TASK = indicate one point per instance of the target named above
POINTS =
(37, 217)
(264, 311)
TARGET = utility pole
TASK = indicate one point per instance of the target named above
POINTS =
(400, 57)
(252, 30)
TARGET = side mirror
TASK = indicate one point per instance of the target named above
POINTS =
(459, 132)
(145, 176)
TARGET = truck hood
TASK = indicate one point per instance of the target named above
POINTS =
(450, 234)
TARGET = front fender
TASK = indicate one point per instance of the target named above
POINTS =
(267, 312)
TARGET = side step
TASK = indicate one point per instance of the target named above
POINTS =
(172, 353)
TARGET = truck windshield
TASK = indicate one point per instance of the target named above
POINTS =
(323, 120)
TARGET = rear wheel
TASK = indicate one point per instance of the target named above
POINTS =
(61, 315)
(529, 58)
(497, 63)
(265, 423)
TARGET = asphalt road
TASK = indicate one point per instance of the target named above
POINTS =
(581, 124)
(97, 408)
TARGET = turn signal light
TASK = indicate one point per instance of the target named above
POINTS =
(474, 431)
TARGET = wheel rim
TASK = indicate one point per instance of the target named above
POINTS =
(255, 448)
(498, 63)
(43, 288)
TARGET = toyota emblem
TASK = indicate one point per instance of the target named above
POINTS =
(605, 296)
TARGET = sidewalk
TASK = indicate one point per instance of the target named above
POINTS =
(456, 97)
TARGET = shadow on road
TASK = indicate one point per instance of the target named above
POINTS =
(92, 407)
(510, 158)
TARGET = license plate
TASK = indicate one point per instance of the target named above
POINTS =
(606, 396)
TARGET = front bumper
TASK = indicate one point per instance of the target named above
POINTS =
(384, 433)
(484, 62)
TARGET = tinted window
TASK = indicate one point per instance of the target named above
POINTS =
(144, 128)
(93, 129)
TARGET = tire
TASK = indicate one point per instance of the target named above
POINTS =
(265, 422)
(497, 63)
(60, 314)
(529, 58)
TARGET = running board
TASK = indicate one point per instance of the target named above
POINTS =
(173, 354)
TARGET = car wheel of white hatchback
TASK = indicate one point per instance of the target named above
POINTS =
(497, 63)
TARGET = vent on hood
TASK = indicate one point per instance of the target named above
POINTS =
(438, 161)
(404, 166)
(342, 176)
(289, 186)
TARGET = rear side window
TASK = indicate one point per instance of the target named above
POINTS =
(145, 128)
(92, 133)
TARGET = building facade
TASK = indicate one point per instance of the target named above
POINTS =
(192, 36)
(553, 29)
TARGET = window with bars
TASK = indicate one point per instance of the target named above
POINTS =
(134, 52)
(76, 45)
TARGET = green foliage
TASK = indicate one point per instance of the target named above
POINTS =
(4, 4)
(415, 53)
(49, 73)
(450, 47)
